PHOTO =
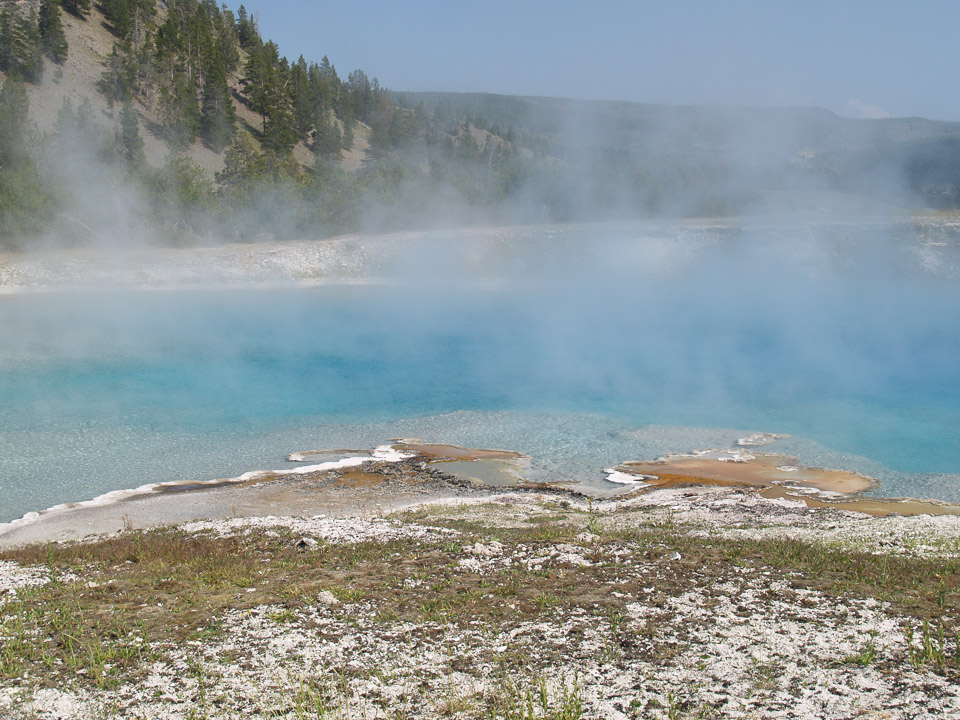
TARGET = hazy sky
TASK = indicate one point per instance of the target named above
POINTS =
(860, 58)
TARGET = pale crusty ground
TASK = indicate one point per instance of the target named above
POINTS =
(746, 644)
(399, 486)
(738, 513)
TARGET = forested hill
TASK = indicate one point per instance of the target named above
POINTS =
(175, 122)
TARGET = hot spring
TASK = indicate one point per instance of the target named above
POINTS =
(581, 346)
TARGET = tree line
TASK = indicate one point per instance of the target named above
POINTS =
(184, 66)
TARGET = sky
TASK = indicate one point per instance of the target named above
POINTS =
(859, 58)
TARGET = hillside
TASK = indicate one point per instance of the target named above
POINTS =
(132, 121)
(908, 161)
(78, 80)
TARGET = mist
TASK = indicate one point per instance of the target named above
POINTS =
(586, 282)
(842, 333)
(446, 160)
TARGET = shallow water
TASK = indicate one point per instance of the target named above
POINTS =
(581, 346)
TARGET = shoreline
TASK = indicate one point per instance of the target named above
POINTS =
(312, 262)
(294, 492)
(391, 477)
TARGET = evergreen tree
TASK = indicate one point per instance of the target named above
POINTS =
(360, 93)
(75, 130)
(247, 32)
(139, 64)
(131, 144)
(8, 36)
(14, 108)
(193, 188)
(130, 18)
(325, 85)
(258, 80)
(181, 196)
(243, 169)
(181, 111)
(74, 133)
(21, 47)
(78, 8)
(116, 81)
(116, 12)
(24, 203)
(29, 48)
(217, 116)
(51, 31)
(326, 137)
(166, 43)
(85, 115)
(348, 124)
(66, 118)
(228, 44)
(264, 85)
(301, 99)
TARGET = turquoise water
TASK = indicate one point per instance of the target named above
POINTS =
(582, 347)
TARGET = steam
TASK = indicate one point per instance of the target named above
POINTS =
(805, 310)
(567, 162)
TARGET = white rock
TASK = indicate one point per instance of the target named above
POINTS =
(325, 597)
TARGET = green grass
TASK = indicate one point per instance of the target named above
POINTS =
(932, 647)
(866, 656)
(535, 700)
(144, 590)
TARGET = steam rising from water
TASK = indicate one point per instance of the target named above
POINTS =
(583, 346)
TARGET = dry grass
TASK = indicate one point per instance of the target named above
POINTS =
(120, 598)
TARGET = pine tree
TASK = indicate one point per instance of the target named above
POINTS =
(181, 111)
(326, 137)
(116, 11)
(303, 106)
(131, 144)
(228, 44)
(14, 108)
(326, 84)
(348, 124)
(264, 84)
(21, 48)
(78, 8)
(129, 18)
(191, 189)
(66, 118)
(166, 43)
(243, 169)
(257, 80)
(116, 81)
(24, 203)
(217, 116)
(360, 94)
(8, 37)
(51, 30)
(29, 48)
(75, 134)
(247, 32)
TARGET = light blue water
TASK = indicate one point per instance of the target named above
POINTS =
(582, 347)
